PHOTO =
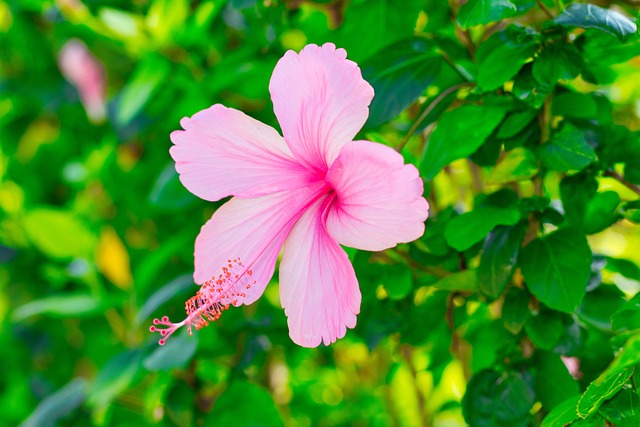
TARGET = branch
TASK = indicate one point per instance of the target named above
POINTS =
(615, 175)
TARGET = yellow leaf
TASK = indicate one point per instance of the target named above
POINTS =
(113, 259)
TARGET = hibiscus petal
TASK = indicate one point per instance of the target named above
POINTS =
(252, 230)
(224, 152)
(379, 198)
(318, 287)
(321, 101)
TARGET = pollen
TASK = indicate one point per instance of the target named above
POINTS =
(215, 296)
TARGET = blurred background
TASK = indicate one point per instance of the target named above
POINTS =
(97, 232)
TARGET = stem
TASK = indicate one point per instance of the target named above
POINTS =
(544, 9)
(615, 175)
(426, 112)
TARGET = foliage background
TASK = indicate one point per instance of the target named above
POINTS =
(517, 298)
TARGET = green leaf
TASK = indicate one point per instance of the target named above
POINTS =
(58, 233)
(603, 388)
(574, 104)
(397, 280)
(563, 414)
(460, 281)
(255, 405)
(57, 405)
(576, 191)
(480, 12)
(145, 81)
(567, 150)
(467, 229)
(519, 164)
(628, 357)
(458, 134)
(399, 74)
(179, 285)
(114, 378)
(502, 55)
(515, 309)
(557, 267)
(557, 61)
(515, 123)
(369, 26)
(601, 212)
(168, 193)
(545, 329)
(530, 91)
(623, 409)
(499, 258)
(631, 211)
(627, 317)
(61, 306)
(176, 353)
(553, 382)
(591, 16)
(493, 399)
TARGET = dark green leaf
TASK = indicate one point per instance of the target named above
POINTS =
(515, 123)
(493, 399)
(556, 268)
(515, 309)
(176, 353)
(467, 229)
(458, 134)
(167, 291)
(480, 12)
(553, 382)
(502, 55)
(57, 405)
(499, 257)
(627, 317)
(114, 378)
(574, 104)
(168, 193)
(631, 211)
(545, 329)
(557, 61)
(567, 150)
(576, 191)
(591, 16)
(399, 74)
(603, 388)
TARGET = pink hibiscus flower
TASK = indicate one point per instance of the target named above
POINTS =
(308, 192)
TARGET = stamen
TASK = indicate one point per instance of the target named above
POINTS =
(214, 296)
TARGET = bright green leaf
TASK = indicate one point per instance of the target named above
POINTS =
(519, 164)
(467, 229)
(59, 233)
(480, 12)
(502, 55)
(61, 306)
(563, 414)
(460, 281)
(553, 382)
(603, 388)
